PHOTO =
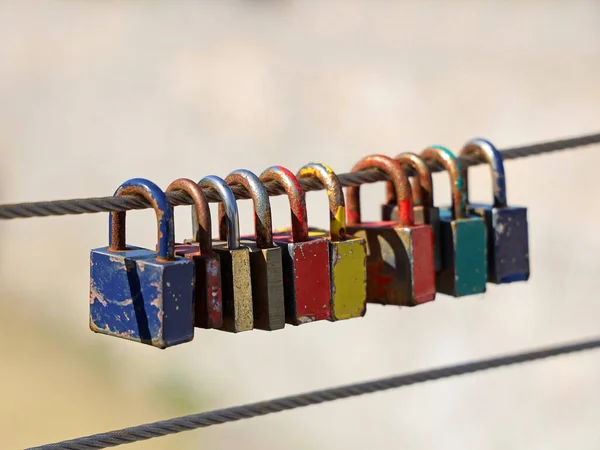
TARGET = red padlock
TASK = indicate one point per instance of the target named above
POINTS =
(400, 260)
(208, 301)
(306, 268)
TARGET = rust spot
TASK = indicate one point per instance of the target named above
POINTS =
(335, 195)
(401, 184)
(202, 211)
(289, 182)
(96, 295)
(422, 188)
(446, 159)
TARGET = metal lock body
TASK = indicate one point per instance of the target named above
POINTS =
(306, 281)
(400, 262)
(347, 254)
(236, 283)
(140, 294)
(208, 299)
(463, 236)
(424, 210)
(265, 257)
(507, 234)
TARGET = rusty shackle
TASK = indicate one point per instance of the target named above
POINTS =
(203, 223)
(296, 197)
(446, 159)
(335, 194)
(400, 182)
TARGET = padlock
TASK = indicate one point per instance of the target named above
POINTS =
(208, 301)
(463, 236)
(507, 235)
(347, 254)
(140, 294)
(236, 283)
(265, 257)
(306, 283)
(422, 189)
(400, 263)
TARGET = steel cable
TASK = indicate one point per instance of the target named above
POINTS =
(216, 417)
(105, 204)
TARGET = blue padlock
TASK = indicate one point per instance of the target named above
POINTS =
(507, 235)
(139, 294)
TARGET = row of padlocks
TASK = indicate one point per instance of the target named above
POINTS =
(301, 274)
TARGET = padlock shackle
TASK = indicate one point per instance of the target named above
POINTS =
(296, 197)
(263, 222)
(202, 228)
(486, 151)
(230, 230)
(415, 187)
(446, 159)
(335, 194)
(164, 218)
(421, 185)
(392, 169)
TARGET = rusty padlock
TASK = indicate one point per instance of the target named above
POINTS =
(306, 283)
(400, 262)
(140, 294)
(422, 189)
(265, 257)
(507, 235)
(463, 236)
(236, 282)
(347, 254)
(208, 299)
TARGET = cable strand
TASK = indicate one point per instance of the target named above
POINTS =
(220, 416)
(124, 203)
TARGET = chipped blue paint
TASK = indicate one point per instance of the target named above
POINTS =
(136, 297)
(139, 294)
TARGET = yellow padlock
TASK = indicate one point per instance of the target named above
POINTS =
(347, 254)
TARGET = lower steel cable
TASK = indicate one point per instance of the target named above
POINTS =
(216, 417)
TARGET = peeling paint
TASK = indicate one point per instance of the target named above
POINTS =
(134, 300)
(96, 295)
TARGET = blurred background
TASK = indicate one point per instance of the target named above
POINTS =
(93, 93)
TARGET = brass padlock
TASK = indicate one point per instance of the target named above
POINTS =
(347, 254)
(307, 287)
(235, 262)
(400, 265)
(422, 190)
(208, 301)
(265, 256)
(463, 236)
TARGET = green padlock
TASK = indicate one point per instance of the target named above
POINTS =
(463, 236)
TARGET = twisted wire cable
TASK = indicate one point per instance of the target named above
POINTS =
(123, 203)
(216, 417)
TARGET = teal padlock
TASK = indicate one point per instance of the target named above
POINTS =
(463, 237)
